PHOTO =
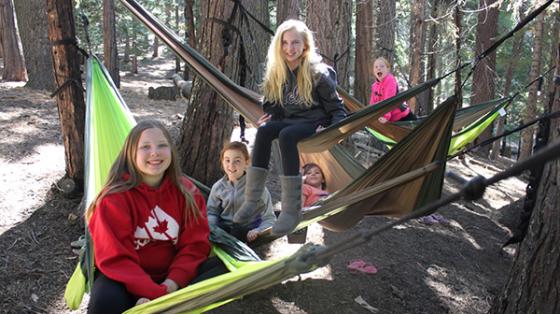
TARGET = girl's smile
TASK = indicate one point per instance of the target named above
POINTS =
(234, 164)
(153, 156)
(292, 47)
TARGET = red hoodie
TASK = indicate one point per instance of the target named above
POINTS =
(141, 237)
(384, 89)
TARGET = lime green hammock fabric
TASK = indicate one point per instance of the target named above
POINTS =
(108, 122)
(468, 124)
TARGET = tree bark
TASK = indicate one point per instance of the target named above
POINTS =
(484, 74)
(331, 22)
(255, 41)
(189, 30)
(427, 103)
(14, 62)
(530, 112)
(364, 51)
(208, 120)
(416, 25)
(534, 279)
(384, 40)
(70, 99)
(36, 45)
(111, 57)
(287, 9)
(512, 64)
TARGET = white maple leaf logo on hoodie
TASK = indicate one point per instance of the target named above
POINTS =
(159, 227)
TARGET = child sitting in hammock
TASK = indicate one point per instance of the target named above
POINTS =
(148, 225)
(314, 184)
(227, 195)
(384, 87)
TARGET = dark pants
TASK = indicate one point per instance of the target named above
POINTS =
(288, 134)
(409, 117)
(109, 296)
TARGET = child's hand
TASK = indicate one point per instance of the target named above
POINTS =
(264, 119)
(142, 301)
(170, 285)
(382, 120)
(319, 129)
(252, 235)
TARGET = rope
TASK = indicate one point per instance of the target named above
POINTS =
(66, 83)
(472, 190)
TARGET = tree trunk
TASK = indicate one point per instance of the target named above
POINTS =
(177, 59)
(155, 47)
(287, 9)
(255, 42)
(530, 112)
(331, 22)
(189, 30)
(459, 30)
(14, 62)
(208, 121)
(512, 64)
(416, 25)
(364, 53)
(111, 57)
(484, 74)
(384, 42)
(70, 99)
(36, 45)
(534, 279)
(427, 103)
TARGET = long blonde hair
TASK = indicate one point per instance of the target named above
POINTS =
(276, 73)
(125, 164)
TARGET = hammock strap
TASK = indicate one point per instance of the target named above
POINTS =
(472, 190)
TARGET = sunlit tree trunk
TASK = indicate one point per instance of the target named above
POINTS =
(70, 98)
(209, 120)
(14, 63)
(331, 22)
(36, 46)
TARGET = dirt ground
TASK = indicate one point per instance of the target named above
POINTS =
(453, 267)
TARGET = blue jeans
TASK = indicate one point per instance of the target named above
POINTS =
(288, 134)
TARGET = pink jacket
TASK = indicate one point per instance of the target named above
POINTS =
(387, 88)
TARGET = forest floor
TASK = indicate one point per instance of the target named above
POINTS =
(456, 266)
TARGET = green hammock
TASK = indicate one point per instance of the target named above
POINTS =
(487, 113)
(107, 124)
(468, 124)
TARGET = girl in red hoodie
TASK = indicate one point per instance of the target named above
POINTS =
(384, 87)
(148, 224)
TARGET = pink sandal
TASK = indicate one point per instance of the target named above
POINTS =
(359, 266)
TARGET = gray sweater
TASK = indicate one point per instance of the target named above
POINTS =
(226, 198)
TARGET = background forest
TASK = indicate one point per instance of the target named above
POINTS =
(44, 43)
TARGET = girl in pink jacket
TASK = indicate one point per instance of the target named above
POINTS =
(384, 87)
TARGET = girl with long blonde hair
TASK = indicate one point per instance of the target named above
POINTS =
(300, 99)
